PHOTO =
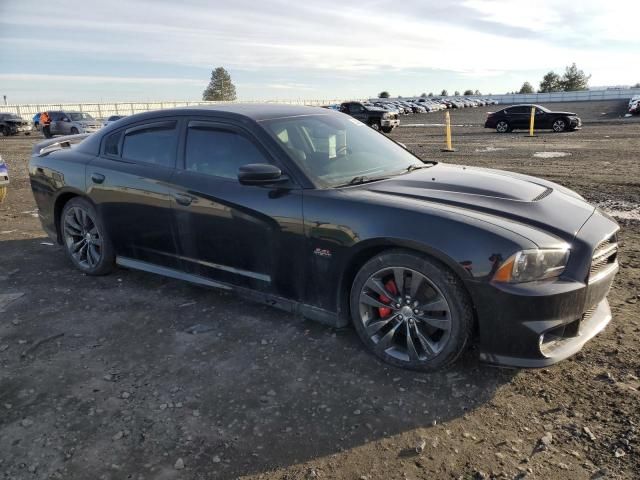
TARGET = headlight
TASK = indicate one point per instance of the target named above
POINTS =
(385, 116)
(532, 265)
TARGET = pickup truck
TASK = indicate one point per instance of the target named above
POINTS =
(376, 118)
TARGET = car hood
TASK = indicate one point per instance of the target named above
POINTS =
(528, 200)
(565, 113)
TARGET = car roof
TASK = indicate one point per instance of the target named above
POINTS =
(255, 111)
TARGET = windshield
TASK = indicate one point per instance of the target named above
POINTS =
(78, 116)
(333, 149)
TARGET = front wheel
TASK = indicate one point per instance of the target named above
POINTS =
(411, 311)
(560, 125)
(375, 126)
(74, 131)
(387, 129)
(503, 126)
(85, 239)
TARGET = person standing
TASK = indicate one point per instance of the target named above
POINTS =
(45, 121)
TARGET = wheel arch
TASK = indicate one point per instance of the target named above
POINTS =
(61, 200)
(368, 249)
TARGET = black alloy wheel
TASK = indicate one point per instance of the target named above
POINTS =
(411, 311)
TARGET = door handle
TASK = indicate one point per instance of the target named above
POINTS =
(184, 200)
(97, 178)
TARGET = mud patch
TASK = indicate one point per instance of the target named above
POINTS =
(620, 209)
(489, 149)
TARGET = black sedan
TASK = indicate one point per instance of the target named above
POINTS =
(519, 117)
(309, 210)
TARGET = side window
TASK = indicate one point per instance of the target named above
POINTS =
(55, 116)
(219, 151)
(112, 144)
(155, 144)
(355, 108)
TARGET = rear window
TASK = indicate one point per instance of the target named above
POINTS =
(112, 144)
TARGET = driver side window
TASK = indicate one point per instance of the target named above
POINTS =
(218, 151)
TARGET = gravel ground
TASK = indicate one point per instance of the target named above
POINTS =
(99, 378)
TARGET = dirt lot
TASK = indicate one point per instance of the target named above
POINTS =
(98, 378)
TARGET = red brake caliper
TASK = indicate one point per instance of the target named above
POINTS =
(386, 311)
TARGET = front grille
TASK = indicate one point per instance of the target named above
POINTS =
(604, 255)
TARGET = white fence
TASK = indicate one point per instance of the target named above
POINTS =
(104, 110)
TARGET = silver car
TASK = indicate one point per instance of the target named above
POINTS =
(71, 123)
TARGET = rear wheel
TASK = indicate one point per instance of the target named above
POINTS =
(85, 239)
(5, 131)
(411, 311)
(560, 125)
(387, 129)
(74, 131)
(503, 126)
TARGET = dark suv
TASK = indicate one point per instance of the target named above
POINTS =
(376, 118)
(519, 116)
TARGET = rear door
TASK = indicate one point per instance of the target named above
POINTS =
(129, 183)
(57, 126)
(248, 236)
(358, 111)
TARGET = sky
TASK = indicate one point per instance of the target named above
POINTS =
(153, 50)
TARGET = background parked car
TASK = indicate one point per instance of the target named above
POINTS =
(12, 124)
(519, 116)
(376, 118)
(112, 119)
(72, 123)
(4, 179)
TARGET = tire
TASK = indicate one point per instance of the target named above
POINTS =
(438, 336)
(387, 129)
(503, 126)
(79, 222)
(376, 126)
(74, 131)
(560, 125)
(3, 193)
(5, 131)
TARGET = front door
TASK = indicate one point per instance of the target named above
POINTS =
(247, 236)
(129, 183)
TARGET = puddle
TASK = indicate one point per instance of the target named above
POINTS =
(621, 210)
(488, 149)
(551, 154)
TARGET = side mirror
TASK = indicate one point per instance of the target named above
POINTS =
(260, 174)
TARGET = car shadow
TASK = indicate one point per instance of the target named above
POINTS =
(127, 385)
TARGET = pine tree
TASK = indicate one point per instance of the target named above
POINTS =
(574, 79)
(551, 83)
(220, 88)
(526, 88)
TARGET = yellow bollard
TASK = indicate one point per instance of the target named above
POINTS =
(447, 123)
(533, 116)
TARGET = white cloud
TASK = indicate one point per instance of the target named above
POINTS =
(358, 40)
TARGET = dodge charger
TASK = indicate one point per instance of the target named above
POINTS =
(309, 210)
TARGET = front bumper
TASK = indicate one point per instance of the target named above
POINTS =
(540, 323)
(390, 122)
